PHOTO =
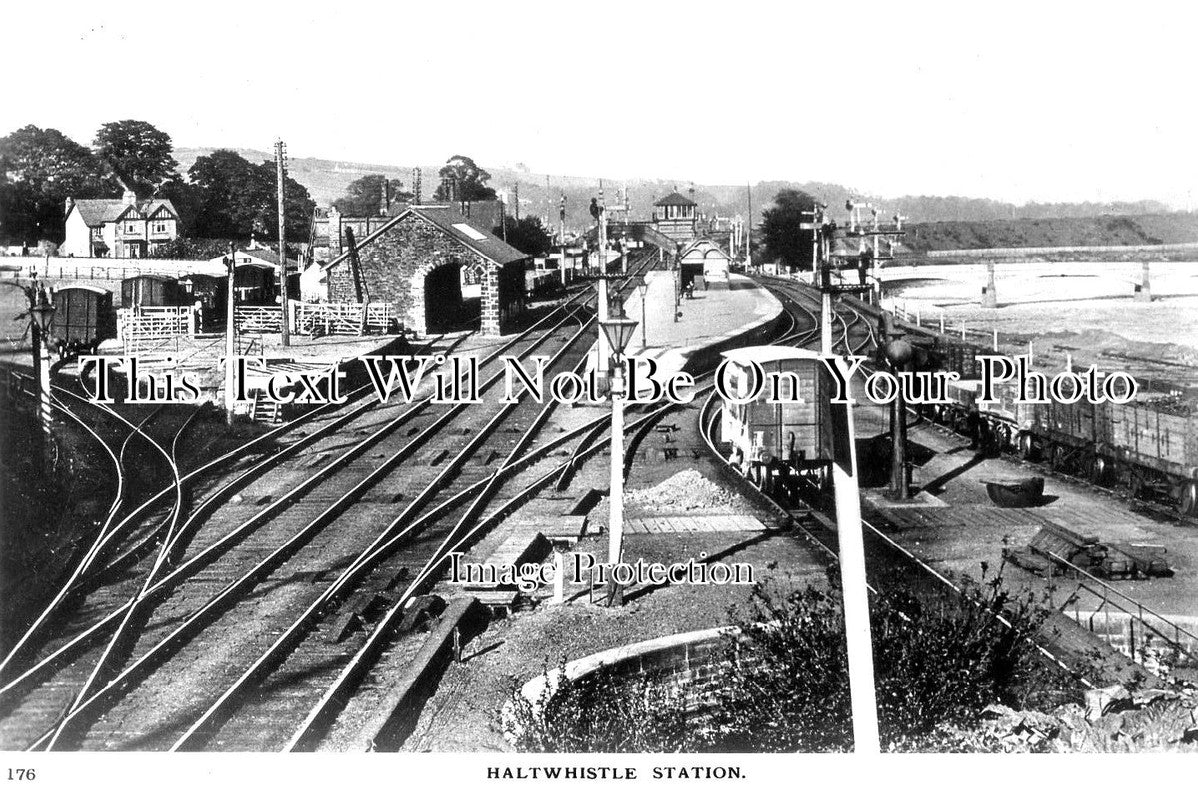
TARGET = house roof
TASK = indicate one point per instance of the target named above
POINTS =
(675, 199)
(454, 224)
(97, 212)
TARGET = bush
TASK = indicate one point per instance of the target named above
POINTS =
(939, 661)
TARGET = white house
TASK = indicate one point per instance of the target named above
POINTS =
(705, 257)
(118, 228)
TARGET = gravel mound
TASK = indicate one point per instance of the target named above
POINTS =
(688, 490)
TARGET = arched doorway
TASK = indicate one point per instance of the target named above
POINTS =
(445, 307)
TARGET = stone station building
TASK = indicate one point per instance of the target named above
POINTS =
(419, 261)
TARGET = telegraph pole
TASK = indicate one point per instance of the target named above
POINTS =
(749, 230)
(604, 351)
(562, 234)
(280, 171)
(230, 343)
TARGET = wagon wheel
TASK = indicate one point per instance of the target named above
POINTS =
(1100, 470)
(1056, 458)
(1137, 486)
(1000, 438)
(1027, 447)
(1187, 503)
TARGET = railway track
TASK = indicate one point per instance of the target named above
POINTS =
(219, 577)
(817, 528)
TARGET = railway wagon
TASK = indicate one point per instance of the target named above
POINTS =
(83, 317)
(540, 282)
(1156, 451)
(783, 435)
(1148, 450)
(255, 285)
(152, 290)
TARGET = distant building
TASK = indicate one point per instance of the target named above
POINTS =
(705, 257)
(118, 228)
(676, 216)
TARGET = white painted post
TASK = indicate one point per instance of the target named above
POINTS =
(855, 594)
(994, 346)
(615, 523)
(942, 322)
(559, 594)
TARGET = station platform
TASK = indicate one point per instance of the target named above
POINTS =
(712, 316)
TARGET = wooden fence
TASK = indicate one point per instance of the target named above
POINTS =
(146, 328)
(343, 318)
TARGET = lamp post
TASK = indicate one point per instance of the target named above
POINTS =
(677, 281)
(617, 329)
(642, 290)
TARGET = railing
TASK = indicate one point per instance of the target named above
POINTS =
(343, 318)
(146, 328)
(1180, 640)
(89, 268)
(266, 319)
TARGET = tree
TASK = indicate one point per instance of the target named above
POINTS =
(187, 199)
(784, 239)
(364, 196)
(139, 154)
(462, 179)
(39, 170)
(527, 235)
(238, 199)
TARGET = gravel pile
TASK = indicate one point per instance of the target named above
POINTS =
(688, 490)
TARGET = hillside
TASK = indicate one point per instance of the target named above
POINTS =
(1095, 231)
(326, 180)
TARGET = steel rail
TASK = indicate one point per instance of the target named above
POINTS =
(366, 404)
(300, 625)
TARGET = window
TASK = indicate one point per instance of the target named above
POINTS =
(159, 226)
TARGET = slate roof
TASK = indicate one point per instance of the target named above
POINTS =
(675, 199)
(98, 212)
(489, 246)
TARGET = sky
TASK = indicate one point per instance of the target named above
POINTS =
(1044, 101)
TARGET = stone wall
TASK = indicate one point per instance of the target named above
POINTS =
(691, 663)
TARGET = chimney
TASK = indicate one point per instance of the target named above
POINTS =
(334, 229)
(385, 199)
(67, 209)
(129, 198)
